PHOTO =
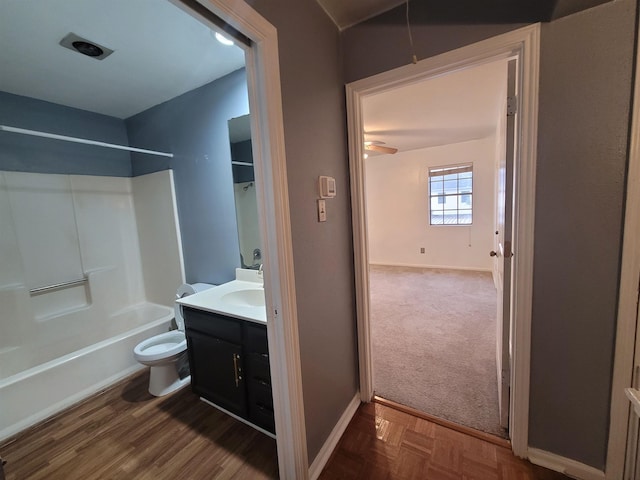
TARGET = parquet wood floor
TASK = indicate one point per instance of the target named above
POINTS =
(382, 443)
(125, 433)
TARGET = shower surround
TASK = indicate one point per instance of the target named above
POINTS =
(90, 265)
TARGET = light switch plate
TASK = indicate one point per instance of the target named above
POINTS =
(322, 211)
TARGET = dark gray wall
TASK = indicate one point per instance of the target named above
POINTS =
(381, 43)
(585, 91)
(40, 155)
(562, 8)
(314, 128)
(194, 128)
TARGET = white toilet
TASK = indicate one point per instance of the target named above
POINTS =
(166, 354)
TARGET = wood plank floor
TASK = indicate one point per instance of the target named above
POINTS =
(384, 443)
(125, 433)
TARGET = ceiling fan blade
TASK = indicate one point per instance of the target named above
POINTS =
(381, 149)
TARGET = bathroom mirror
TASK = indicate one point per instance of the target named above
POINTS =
(244, 189)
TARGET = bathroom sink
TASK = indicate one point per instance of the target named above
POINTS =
(250, 297)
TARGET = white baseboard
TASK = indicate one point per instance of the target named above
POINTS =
(443, 267)
(332, 441)
(564, 465)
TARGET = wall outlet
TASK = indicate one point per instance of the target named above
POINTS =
(422, 249)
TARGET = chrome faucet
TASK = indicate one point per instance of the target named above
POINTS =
(260, 270)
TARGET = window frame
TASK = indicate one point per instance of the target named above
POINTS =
(442, 171)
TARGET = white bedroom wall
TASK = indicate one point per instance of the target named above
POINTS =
(398, 215)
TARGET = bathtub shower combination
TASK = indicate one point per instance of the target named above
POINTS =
(90, 266)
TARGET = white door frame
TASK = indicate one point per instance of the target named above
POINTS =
(525, 44)
(627, 300)
(265, 100)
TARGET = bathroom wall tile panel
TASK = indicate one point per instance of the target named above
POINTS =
(15, 326)
(109, 239)
(57, 303)
(11, 273)
(158, 230)
(14, 299)
(44, 218)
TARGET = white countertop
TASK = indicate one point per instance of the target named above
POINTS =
(211, 300)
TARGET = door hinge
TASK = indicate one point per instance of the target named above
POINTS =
(512, 106)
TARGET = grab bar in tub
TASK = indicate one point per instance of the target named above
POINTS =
(57, 286)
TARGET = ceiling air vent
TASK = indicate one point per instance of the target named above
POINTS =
(85, 47)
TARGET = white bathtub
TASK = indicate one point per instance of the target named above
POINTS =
(35, 394)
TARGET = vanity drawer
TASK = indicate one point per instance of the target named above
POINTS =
(263, 417)
(218, 326)
(260, 393)
(261, 405)
(256, 338)
(257, 367)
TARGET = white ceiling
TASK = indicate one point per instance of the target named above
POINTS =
(346, 13)
(453, 108)
(160, 52)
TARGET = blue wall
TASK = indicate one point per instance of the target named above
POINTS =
(24, 153)
(194, 128)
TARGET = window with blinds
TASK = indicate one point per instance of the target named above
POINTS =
(451, 195)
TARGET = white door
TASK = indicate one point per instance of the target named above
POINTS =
(502, 252)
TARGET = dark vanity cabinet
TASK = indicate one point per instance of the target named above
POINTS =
(258, 377)
(229, 361)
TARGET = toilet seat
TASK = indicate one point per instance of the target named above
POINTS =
(166, 353)
(160, 347)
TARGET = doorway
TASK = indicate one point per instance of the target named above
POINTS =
(432, 210)
(522, 44)
(265, 103)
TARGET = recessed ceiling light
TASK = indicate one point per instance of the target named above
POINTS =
(223, 40)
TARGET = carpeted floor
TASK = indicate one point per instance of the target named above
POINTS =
(434, 336)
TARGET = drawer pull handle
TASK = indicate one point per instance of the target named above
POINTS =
(264, 408)
(235, 369)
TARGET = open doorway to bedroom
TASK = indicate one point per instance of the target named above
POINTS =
(514, 244)
(432, 218)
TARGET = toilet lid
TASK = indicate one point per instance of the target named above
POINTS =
(185, 290)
